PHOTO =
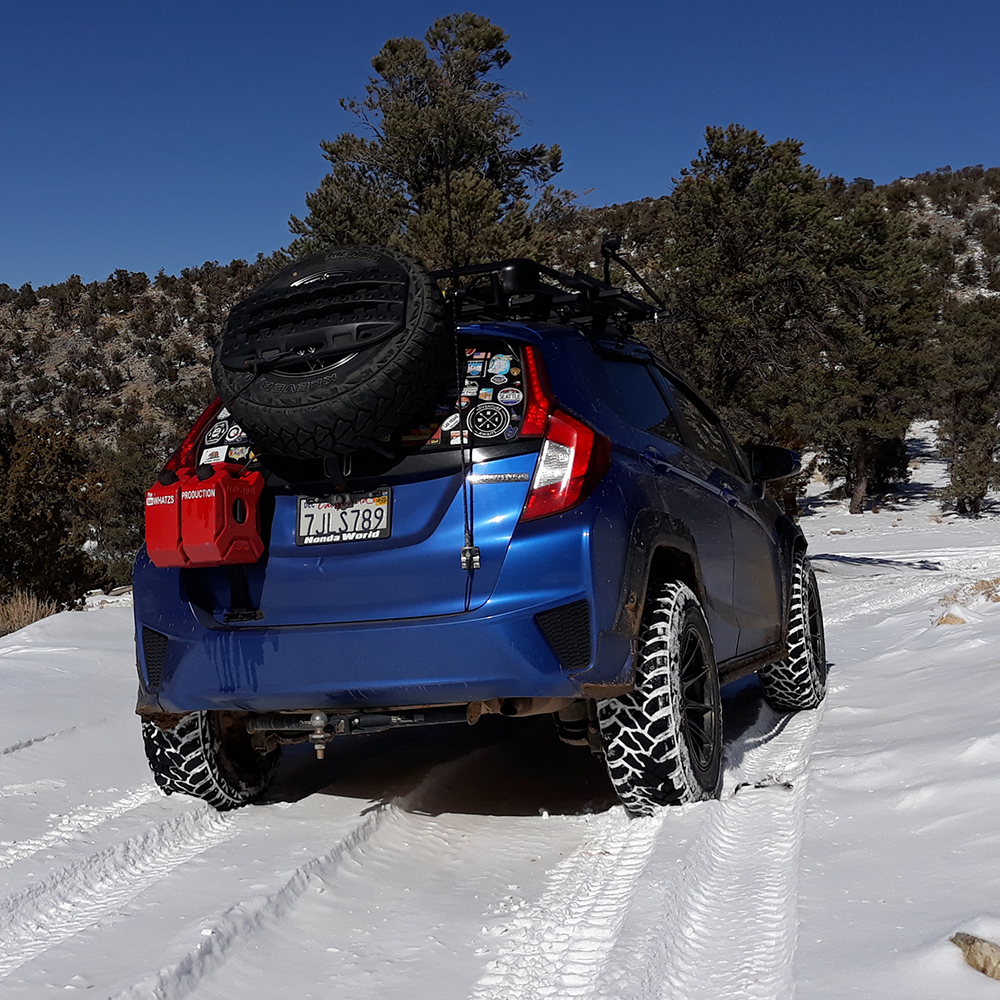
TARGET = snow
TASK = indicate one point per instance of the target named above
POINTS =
(490, 862)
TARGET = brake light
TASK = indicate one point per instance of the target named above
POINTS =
(540, 401)
(185, 457)
(572, 461)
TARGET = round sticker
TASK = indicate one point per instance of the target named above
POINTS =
(499, 380)
(217, 432)
(450, 422)
(510, 397)
(489, 420)
(234, 434)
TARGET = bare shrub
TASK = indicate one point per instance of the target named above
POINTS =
(21, 608)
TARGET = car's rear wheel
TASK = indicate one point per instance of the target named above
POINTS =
(208, 755)
(799, 680)
(663, 740)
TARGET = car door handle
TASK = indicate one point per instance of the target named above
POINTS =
(729, 496)
(656, 460)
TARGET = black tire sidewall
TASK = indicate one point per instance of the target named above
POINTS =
(354, 403)
(798, 681)
(191, 758)
(649, 759)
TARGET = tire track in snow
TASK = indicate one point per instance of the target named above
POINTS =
(850, 596)
(235, 926)
(557, 946)
(79, 820)
(24, 744)
(82, 894)
(726, 927)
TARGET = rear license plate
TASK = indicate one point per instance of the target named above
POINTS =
(344, 517)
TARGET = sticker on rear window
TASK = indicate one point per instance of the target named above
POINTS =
(212, 455)
(216, 432)
(489, 420)
(510, 397)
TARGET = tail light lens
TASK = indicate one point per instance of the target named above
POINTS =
(541, 402)
(185, 457)
(573, 458)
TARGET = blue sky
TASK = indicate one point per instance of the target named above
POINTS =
(148, 134)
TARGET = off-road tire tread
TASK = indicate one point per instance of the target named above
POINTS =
(797, 682)
(188, 758)
(379, 396)
(647, 758)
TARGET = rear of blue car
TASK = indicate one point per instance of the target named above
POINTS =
(359, 542)
(361, 599)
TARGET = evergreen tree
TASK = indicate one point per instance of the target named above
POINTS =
(873, 374)
(116, 507)
(799, 303)
(743, 254)
(969, 402)
(439, 174)
(43, 484)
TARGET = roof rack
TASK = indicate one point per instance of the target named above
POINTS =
(514, 289)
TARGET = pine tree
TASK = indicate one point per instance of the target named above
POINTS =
(800, 304)
(43, 482)
(969, 402)
(874, 374)
(743, 254)
(439, 174)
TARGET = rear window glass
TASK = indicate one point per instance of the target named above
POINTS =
(224, 441)
(485, 401)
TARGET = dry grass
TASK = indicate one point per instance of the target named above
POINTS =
(949, 619)
(970, 593)
(967, 595)
(22, 608)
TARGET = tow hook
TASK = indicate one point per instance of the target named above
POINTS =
(318, 737)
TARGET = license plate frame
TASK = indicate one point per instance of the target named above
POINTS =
(346, 513)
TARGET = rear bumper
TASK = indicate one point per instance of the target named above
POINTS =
(495, 651)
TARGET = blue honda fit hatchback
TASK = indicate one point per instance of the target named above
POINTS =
(567, 529)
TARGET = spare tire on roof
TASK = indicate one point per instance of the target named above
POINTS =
(334, 352)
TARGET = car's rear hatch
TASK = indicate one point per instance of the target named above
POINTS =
(390, 546)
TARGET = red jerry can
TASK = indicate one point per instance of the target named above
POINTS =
(163, 520)
(220, 516)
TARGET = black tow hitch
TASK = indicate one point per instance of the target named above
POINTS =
(323, 727)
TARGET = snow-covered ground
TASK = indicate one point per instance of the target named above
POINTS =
(490, 862)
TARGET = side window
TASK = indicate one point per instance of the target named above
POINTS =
(707, 437)
(632, 393)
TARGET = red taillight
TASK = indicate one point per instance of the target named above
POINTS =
(572, 461)
(540, 401)
(186, 455)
